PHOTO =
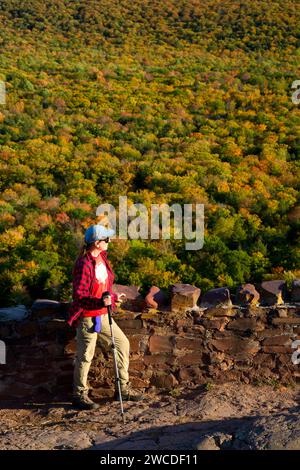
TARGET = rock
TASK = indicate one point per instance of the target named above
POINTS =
(247, 295)
(272, 292)
(278, 349)
(128, 445)
(295, 294)
(70, 347)
(216, 357)
(215, 442)
(184, 296)
(6, 330)
(13, 313)
(196, 311)
(191, 344)
(164, 380)
(212, 312)
(244, 324)
(207, 443)
(286, 321)
(282, 340)
(219, 297)
(191, 359)
(65, 440)
(134, 301)
(47, 308)
(154, 316)
(190, 374)
(215, 323)
(279, 432)
(138, 343)
(236, 345)
(27, 328)
(253, 311)
(282, 311)
(129, 323)
(159, 343)
(156, 298)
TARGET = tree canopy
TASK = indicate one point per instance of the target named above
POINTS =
(164, 102)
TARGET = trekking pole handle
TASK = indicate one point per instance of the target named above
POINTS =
(105, 295)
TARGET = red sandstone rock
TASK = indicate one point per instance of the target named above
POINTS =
(182, 324)
(286, 321)
(219, 297)
(134, 300)
(138, 343)
(254, 311)
(215, 324)
(247, 295)
(159, 359)
(277, 349)
(26, 328)
(138, 382)
(195, 358)
(155, 317)
(156, 298)
(212, 312)
(161, 343)
(132, 324)
(183, 296)
(283, 340)
(136, 365)
(6, 329)
(295, 293)
(70, 348)
(191, 374)
(190, 344)
(164, 380)
(272, 292)
(243, 324)
(216, 357)
(236, 345)
(45, 308)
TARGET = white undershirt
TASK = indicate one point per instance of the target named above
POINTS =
(101, 272)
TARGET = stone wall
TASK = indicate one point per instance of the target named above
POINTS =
(170, 346)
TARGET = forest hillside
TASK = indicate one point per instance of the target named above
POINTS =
(164, 101)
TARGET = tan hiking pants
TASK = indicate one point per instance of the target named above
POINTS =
(86, 340)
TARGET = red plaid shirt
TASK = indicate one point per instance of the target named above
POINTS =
(83, 280)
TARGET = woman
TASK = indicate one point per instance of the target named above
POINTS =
(93, 275)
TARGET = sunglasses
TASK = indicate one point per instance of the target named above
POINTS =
(106, 240)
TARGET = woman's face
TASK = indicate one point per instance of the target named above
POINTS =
(101, 244)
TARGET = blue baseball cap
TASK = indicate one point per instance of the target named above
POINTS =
(97, 232)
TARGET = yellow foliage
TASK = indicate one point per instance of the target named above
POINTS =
(11, 237)
(223, 187)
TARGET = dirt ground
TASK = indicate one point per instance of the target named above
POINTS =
(161, 421)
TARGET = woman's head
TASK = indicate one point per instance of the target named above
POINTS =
(98, 233)
(96, 239)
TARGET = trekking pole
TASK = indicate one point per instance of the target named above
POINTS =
(105, 295)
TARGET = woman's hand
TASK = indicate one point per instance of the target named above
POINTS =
(121, 297)
(107, 300)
